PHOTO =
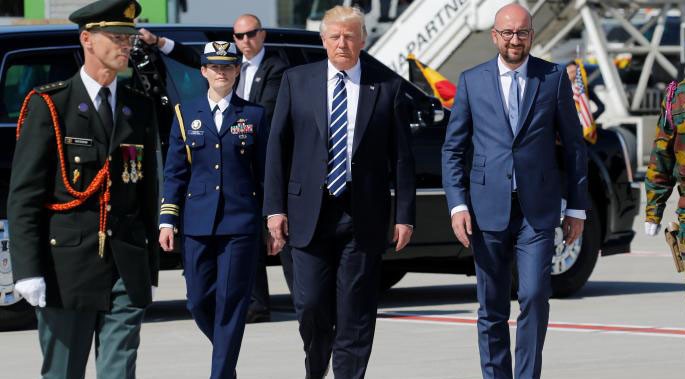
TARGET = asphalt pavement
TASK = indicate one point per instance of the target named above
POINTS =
(627, 322)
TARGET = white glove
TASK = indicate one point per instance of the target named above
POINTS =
(33, 290)
(652, 229)
(154, 290)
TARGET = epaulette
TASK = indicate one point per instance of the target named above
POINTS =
(51, 87)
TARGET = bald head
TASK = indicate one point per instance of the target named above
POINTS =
(513, 13)
(248, 35)
(513, 34)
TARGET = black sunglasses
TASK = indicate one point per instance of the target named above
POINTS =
(250, 34)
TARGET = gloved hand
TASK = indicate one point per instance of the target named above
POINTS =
(652, 229)
(33, 290)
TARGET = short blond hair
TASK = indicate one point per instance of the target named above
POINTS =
(341, 13)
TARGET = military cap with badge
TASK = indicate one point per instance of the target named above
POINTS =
(114, 16)
(220, 52)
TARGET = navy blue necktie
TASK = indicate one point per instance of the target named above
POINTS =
(337, 139)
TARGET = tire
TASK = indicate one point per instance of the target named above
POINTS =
(20, 315)
(389, 278)
(574, 277)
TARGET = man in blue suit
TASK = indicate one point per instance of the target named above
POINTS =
(338, 142)
(505, 198)
(215, 171)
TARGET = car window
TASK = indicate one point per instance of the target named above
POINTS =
(23, 71)
(314, 54)
(187, 81)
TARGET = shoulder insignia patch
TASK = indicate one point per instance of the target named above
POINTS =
(51, 87)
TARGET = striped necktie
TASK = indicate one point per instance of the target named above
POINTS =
(337, 139)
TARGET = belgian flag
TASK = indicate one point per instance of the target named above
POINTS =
(431, 81)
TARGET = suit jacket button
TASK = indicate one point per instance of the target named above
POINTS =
(109, 232)
(216, 166)
(53, 242)
(77, 159)
(243, 143)
(217, 188)
(109, 208)
(242, 151)
(109, 158)
(192, 144)
(217, 146)
(189, 194)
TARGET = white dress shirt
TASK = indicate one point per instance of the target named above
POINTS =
(247, 74)
(223, 104)
(352, 81)
(168, 46)
(93, 89)
(505, 82)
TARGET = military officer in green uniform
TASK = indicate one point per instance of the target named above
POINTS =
(667, 163)
(82, 204)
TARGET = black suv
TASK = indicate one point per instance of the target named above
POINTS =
(35, 55)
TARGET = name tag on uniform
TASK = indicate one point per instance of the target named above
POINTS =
(78, 141)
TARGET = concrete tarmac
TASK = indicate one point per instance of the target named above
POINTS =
(627, 322)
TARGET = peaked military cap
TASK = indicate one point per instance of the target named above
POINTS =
(220, 52)
(115, 16)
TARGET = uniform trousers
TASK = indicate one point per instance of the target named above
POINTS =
(219, 273)
(335, 284)
(495, 252)
(66, 337)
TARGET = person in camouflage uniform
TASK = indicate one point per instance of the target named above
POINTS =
(667, 162)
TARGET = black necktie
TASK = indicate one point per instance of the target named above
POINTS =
(105, 111)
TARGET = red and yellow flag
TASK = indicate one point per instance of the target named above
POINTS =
(431, 81)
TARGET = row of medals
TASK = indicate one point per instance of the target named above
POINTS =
(136, 173)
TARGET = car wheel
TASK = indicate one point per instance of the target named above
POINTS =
(15, 312)
(390, 277)
(573, 264)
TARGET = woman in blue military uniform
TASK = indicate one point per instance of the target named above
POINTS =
(212, 189)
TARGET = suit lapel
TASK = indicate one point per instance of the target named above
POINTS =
(90, 114)
(319, 93)
(204, 114)
(368, 92)
(532, 84)
(493, 78)
(122, 129)
(257, 81)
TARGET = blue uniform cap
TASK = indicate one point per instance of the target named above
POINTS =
(220, 52)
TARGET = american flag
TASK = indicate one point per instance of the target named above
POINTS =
(583, 105)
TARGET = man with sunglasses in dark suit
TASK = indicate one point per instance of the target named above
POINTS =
(260, 77)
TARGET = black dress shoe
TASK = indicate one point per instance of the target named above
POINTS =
(254, 317)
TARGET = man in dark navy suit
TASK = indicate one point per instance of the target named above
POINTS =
(260, 76)
(214, 171)
(509, 111)
(338, 143)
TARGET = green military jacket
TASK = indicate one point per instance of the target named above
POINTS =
(667, 162)
(62, 246)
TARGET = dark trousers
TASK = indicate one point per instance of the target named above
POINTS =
(66, 337)
(260, 292)
(495, 253)
(219, 273)
(335, 294)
